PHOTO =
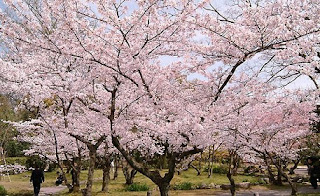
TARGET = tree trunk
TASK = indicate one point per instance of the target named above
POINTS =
(65, 180)
(279, 180)
(232, 157)
(236, 163)
(164, 189)
(270, 174)
(194, 167)
(232, 183)
(106, 174)
(76, 179)
(129, 175)
(296, 163)
(76, 167)
(57, 154)
(200, 160)
(278, 165)
(75, 172)
(294, 189)
(211, 154)
(92, 162)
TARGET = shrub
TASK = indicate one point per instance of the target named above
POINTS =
(34, 160)
(217, 168)
(220, 169)
(16, 160)
(137, 187)
(183, 186)
(15, 148)
(3, 191)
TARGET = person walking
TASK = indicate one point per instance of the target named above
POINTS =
(314, 171)
(37, 177)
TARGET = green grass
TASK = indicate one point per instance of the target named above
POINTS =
(20, 183)
(16, 160)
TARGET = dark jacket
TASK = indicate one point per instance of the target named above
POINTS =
(37, 176)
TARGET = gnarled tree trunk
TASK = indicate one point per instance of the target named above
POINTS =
(232, 184)
(296, 163)
(129, 174)
(164, 189)
(269, 169)
(294, 189)
(194, 167)
(92, 160)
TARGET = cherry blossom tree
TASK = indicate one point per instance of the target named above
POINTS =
(277, 37)
(262, 123)
(122, 44)
(52, 89)
(103, 61)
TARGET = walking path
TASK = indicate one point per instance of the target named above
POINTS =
(285, 192)
(255, 190)
(46, 191)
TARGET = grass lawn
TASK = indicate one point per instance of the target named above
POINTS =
(20, 183)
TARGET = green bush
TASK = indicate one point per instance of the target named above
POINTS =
(16, 160)
(15, 148)
(220, 169)
(217, 168)
(137, 187)
(34, 160)
(3, 191)
(183, 186)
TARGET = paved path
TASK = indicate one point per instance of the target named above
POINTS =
(49, 191)
(301, 170)
(46, 191)
(285, 192)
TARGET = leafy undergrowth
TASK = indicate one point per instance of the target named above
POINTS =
(137, 187)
